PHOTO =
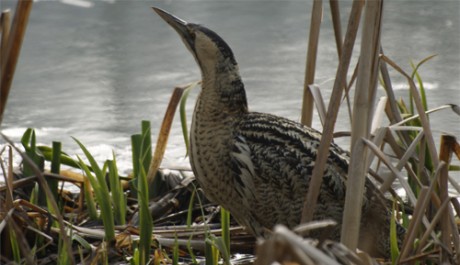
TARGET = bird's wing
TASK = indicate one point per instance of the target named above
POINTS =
(283, 154)
(243, 167)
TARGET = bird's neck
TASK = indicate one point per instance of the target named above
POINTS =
(223, 90)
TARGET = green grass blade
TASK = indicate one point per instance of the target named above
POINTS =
(136, 258)
(27, 137)
(394, 249)
(118, 197)
(56, 158)
(220, 245)
(146, 145)
(101, 191)
(65, 159)
(190, 209)
(420, 84)
(145, 219)
(210, 252)
(94, 166)
(225, 224)
(89, 193)
(29, 143)
(55, 168)
(175, 260)
(136, 142)
(15, 247)
(190, 251)
(416, 67)
(183, 114)
(89, 200)
(63, 255)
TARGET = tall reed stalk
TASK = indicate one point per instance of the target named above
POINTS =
(366, 86)
(313, 40)
(11, 47)
(332, 112)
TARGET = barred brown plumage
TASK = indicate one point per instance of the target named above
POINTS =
(258, 166)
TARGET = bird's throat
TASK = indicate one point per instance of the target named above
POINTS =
(223, 92)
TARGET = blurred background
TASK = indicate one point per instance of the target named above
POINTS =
(95, 69)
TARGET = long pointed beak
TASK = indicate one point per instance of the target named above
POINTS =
(177, 24)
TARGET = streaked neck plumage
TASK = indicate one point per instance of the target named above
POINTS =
(223, 89)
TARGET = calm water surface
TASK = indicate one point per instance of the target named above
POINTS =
(94, 70)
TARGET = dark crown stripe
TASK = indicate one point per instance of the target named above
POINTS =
(221, 44)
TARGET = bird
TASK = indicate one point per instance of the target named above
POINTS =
(258, 165)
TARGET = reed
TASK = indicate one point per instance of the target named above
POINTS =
(361, 123)
(313, 40)
(332, 112)
(409, 137)
(145, 224)
(11, 47)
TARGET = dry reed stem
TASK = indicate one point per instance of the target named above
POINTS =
(402, 161)
(416, 116)
(335, 14)
(331, 116)
(445, 154)
(366, 85)
(285, 246)
(303, 228)
(417, 216)
(386, 161)
(379, 113)
(5, 21)
(21, 240)
(9, 180)
(378, 140)
(396, 148)
(440, 213)
(12, 51)
(455, 235)
(392, 111)
(417, 257)
(353, 204)
(419, 106)
(313, 39)
(348, 87)
(315, 92)
(163, 135)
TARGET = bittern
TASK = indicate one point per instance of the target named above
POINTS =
(258, 166)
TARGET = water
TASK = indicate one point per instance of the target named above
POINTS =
(94, 70)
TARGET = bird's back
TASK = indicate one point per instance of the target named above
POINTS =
(282, 154)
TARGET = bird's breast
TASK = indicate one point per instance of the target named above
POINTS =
(210, 137)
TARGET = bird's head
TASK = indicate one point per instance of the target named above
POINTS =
(220, 76)
(208, 48)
